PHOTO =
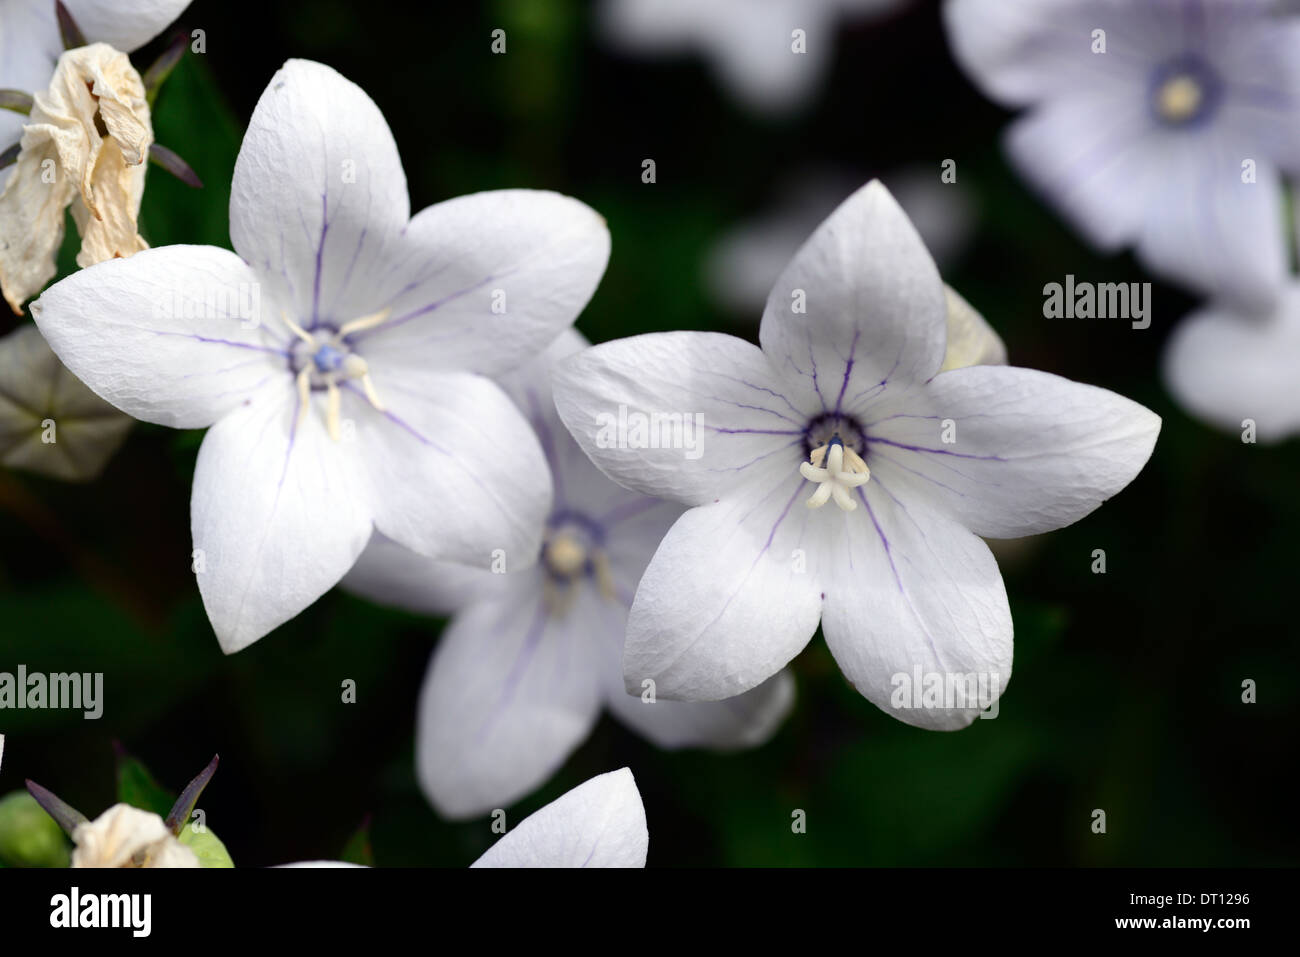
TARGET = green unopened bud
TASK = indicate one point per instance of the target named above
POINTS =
(28, 836)
(207, 847)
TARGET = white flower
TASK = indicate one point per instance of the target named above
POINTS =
(340, 358)
(50, 423)
(750, 43)
(600, 823)
(1172, 140)
(124, 836)
(531, 658)
(1227, 367)
(902, 585)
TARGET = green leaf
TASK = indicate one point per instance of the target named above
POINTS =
(206, 846)
(137, 787)
(358, 849)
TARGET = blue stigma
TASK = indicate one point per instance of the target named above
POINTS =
(328, 359)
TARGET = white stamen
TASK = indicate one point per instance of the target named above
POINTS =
(843, 470)
(351, 367)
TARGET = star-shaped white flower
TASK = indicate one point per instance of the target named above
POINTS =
(750, 43)
(533, 656)
(1236, 370)
(853, 342)
(1162, 126)
(341, 358)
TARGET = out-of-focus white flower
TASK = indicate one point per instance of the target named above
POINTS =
(1159, 125)
(751, 44)
(532, 656)
(600, 823)
(1227, 367)
(341, 358)
(845, 401)
(67, 161)
(125, 836)
(50, 423)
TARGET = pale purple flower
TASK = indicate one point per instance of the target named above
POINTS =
(341, 358)
(846, 394)
(1173, 141)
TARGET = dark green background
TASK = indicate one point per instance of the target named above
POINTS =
(1127, 687)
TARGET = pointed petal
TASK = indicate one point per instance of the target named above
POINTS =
(598, 824)
(454, 470)
(971, 340)
(911, 590)
(1031, 451)
(486, 281)
(280, 512)
(860, 310)
(160, 335)
(510, 692)
(729, 598)
(318, 200)
(732, 419)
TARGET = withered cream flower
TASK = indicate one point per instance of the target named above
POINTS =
(125, 836)
(85, 147)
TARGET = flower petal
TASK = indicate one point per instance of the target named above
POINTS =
(280, 512)
(912, 591)
(454, 470)
(1030, 451)
(600, 823)
(729, 598)
(1018, 53)
(679, 415)
(510, 692)
(124, 24)
(875, 308)
(160, 335)
(745, 721)
(1226, 368)
(390, 574)
(971, 340)
(1213, 232)
(486, 281)
(318, 200)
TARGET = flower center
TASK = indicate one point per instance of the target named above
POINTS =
(573, 551)
(835, 469)
(323, 359)
(1184, 92)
